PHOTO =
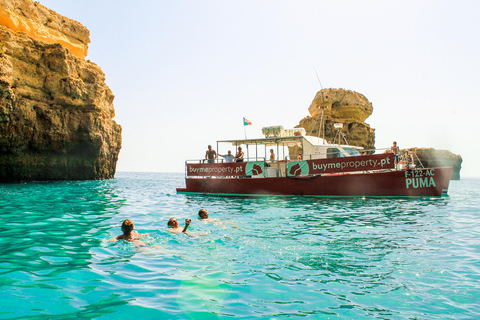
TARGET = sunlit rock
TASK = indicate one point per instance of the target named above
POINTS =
(55, 109)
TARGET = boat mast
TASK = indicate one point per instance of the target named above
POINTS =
(321, 125)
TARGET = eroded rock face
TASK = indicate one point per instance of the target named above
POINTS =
(431, 158)
(45, 25)
(55, 109)
(340, 106)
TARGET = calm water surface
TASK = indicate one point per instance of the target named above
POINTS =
(273, 258)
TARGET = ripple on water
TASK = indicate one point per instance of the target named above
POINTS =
(281, 257)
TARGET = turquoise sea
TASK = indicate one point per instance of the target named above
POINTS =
(268, 257)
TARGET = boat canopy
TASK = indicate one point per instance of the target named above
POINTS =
(287, 141)
(290, 141)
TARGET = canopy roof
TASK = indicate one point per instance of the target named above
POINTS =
(287, 141)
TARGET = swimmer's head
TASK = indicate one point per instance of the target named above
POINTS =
(203, 214)
(173, 223)
(127, 226)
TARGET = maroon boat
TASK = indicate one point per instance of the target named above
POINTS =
(319, 169)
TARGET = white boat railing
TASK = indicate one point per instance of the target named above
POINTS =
(310, 164)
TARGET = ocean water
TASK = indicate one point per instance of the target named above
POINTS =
(272, 257)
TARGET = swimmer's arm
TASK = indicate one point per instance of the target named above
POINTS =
(236, 226)
(187, 223)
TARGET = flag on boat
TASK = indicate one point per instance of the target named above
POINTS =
(246, 122)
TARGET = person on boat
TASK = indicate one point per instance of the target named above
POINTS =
(394, 149)
(210, 155)
(173, 226)
(130, 235)
(299, 157)
(239, 155)
(228, 157)
(408, 160)
(272, 156)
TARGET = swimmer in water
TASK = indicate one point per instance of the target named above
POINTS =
(130, 235)
(203, 215)
(173, 226)
(133, 236)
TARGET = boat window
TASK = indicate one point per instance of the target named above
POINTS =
(352, 151)
(333, 153)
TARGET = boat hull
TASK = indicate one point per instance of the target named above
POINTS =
(408, 183)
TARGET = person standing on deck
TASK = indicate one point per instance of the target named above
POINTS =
(228, 157)
(211, 154)
(272, 156)
(239, 155)
(394, 150)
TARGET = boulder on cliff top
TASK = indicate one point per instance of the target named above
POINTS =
(345, 106)
(341, 104)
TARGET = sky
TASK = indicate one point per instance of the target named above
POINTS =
(186, 72)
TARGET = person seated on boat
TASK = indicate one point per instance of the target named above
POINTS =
(272, 156)
(408, 160)
(173, 226)
(210, 155)
(239, 155)
(228, 157)
(130, 235)
(299, 157)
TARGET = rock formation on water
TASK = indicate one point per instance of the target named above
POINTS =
(340, 106)
(352, 109)
(55, 109)
(431, 158)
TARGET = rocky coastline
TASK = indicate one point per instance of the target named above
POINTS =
(56, 111)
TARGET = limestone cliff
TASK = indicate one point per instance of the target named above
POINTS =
(340, 106)
(45, 25)
(55, 109)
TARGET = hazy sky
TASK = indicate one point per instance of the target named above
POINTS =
(185, 73)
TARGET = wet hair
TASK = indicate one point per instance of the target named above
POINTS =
(170, 222)
(127, 226)
(202, 211)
